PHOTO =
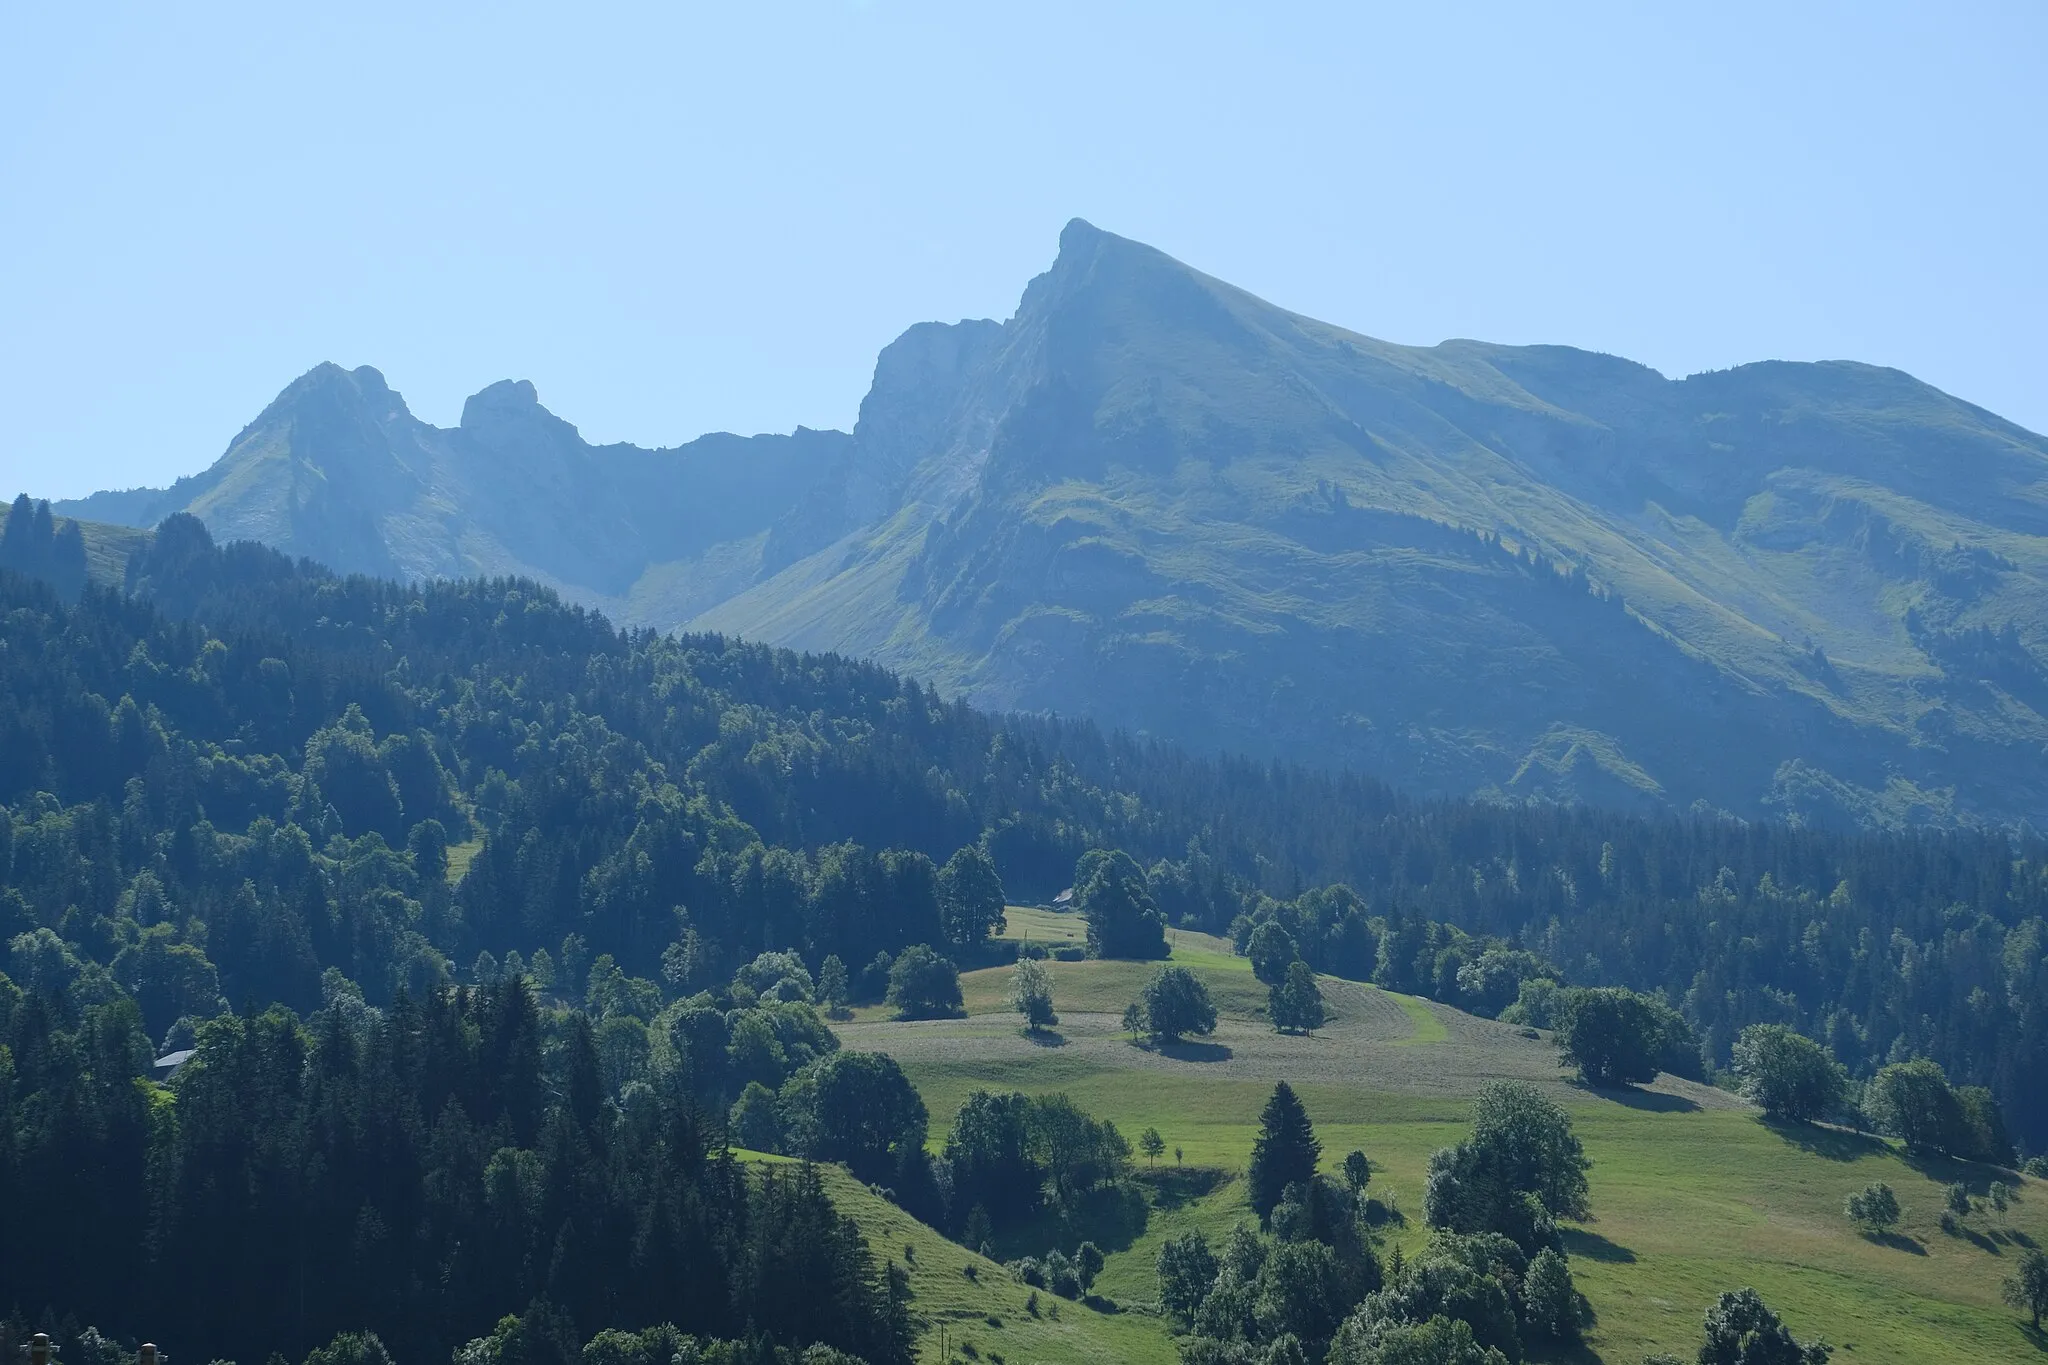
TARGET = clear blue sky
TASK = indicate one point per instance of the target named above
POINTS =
(676, 217)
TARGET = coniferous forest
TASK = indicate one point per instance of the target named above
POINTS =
(460, 897)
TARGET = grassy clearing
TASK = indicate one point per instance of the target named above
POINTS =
(460, 856)
(1048, 928)
(986, 1309)
(1692, 1193)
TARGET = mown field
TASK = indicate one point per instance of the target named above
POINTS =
(1692, 1192)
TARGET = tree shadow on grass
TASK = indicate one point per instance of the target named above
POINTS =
(1897, 1241)
(1981, 1242)
(2038, 1337)
(1111, 1216)
(1185, 1050)
(1594, 1247)
(1174, 1186)
(1651, 1101)
(1835, 1144)
(1045, 1037)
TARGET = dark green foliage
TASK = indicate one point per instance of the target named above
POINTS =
(1007, 1151)
(1031, 994)
(756, 1120)
(1296, 1002)
(1787, 1074)
(351, 1348)
(1741, 1330)
(1076, 1152)
(923, 985)
(1187, 1269)
(1327, 927)
(1521, 1168)
(1914, 1102)
(989, 1150)
(1087, 1263)
(1280, 1299)
(1611, 1035)
(833, 987)
(1357, 1171)
(613, 778)
(1874, 1207)
(1176, 1003)
(414, 1171)
(856, 1108)
(2027, 1287)
(1123, 919)
(34, 543)
(1271, 950)
(1461, 1280)
(970, 897)
(1284, 1153)
(1550, 1302)
(1439, 1341)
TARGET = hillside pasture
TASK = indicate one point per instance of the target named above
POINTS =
(1693, 1193)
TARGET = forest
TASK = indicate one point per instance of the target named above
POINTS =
(479, 915)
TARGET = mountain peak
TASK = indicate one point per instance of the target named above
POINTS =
(505, 398)
(1080, 234)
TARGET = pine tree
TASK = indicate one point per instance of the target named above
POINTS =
(1285, 1153)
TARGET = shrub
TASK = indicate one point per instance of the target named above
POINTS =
(1123, 919)
(1874, 1207)
(923, 985)
(2026, 1289)
(1787, 1074)
(1176, 1003)
(1271, 949)
(1031, 994)
(1087, 1263)
(1550, 1300)
(1061, 1276)
(1187, 1270)
(1741, 1330)
(1611, 1035)
(1296, 1004)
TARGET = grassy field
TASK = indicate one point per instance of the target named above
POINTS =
(1692, 1192)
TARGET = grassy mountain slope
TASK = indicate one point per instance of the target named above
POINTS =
(1692, 1193)
(1814, 589)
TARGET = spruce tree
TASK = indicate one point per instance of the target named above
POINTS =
(1285, 1152)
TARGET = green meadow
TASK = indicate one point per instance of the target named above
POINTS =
(1693, 1193)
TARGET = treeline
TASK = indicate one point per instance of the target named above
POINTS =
(242, 771)
(424, 1169)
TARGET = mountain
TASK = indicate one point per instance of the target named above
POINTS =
(337, 469)
(1805, 590)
